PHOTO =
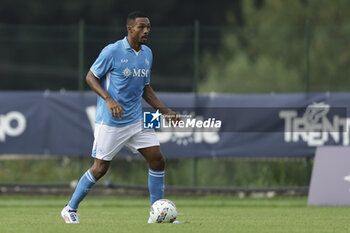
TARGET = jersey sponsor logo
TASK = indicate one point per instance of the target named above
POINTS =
(136, 73)
(140, 73)
(12, 124)
(124, 60)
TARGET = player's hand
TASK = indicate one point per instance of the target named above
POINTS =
(114, 107)
(172, 116)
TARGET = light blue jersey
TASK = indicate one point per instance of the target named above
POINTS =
(123, 73)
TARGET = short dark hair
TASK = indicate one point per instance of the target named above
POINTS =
(135, 14)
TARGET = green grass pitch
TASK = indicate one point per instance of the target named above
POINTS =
(198, 214)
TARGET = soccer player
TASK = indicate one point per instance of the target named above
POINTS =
(121, 78)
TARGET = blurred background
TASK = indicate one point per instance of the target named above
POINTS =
(223, 46)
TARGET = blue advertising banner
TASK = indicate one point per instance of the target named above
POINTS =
(213, 125)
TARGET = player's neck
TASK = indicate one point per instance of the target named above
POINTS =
(134, 44)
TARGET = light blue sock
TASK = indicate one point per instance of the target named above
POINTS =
(156, 185)
(85, 184)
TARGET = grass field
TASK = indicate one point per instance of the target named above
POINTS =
(198, 214)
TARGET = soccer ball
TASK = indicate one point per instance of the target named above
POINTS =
(163, 211)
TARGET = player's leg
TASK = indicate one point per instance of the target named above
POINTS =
(108, 141)
(86, 182)
(156, 173)
(91, 176)
(147, 143)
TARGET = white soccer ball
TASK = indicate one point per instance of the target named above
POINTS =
(163, 211)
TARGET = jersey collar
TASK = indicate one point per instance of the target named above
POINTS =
(127, 45)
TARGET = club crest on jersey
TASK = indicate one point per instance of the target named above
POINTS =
(147, 61)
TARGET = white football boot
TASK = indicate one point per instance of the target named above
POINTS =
(69, 215)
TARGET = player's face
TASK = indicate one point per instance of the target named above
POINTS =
(139, 31)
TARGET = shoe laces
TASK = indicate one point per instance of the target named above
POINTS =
(73, 215)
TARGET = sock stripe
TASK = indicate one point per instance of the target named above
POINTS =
(153, 175)
(156, 173)
(87, 176)
(90, 176)
(156, 176)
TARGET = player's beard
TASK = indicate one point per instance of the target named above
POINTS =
(142, 41)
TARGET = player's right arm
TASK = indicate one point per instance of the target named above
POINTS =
(112, 105)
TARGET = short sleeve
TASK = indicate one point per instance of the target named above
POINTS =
(103, 63)
(148, 78)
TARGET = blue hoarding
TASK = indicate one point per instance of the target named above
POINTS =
(256, 126)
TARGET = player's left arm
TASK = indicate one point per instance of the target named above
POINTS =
(151, 98)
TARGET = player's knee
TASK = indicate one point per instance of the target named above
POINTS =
(158, 162)
(161, 163)
(99, 170)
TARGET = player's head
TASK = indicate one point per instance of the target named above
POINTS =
(138, 26)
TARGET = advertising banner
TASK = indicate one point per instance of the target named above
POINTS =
(212, 125)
